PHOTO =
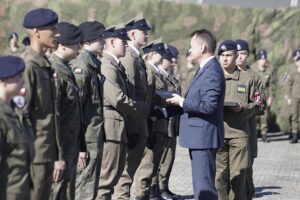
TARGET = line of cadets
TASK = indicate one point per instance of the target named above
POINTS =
(95, 122)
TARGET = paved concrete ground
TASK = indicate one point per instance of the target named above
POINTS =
(276, 171)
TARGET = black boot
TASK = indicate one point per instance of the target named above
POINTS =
(294, 139)
(154, 193)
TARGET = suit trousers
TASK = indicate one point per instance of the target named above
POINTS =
(203, 173)
(113, 163)
(232, 162)
(133, 160)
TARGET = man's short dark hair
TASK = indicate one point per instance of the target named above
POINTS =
(207, 37)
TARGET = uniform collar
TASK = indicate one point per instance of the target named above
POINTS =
(42, 61)
(134, 48)
(164, 72)
(113, 56)
(234, 76)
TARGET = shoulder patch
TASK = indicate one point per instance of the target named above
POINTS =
(78, 71)
(22, 92)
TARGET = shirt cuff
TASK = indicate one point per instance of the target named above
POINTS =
(181, 102)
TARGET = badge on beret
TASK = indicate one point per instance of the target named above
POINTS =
(19, 101)
(223, 47)
(78, 71)
(238, 47)
(22, 92)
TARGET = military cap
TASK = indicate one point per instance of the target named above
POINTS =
(296, 54)
(12, 35)
(26, 41)
(242, 45)
(69, 33)
(156, 46)
(173, 50)
(10, 66)
(167, 55)
(40, 17)
(91, 30)
(227, 45)
(118, 31)
(261, 54)
(139, 22)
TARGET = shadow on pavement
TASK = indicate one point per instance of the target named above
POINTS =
(259, 191)
(185, 197)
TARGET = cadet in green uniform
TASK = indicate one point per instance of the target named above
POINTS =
(159, 128)
(140, 89)
(265, 71)
(294, 96)
(169, 60)
(15, 144)
(48, 164)
(241, 62)
(68, 105)
(13, 46)
(86, 68)
(232, 159)
(117, 107)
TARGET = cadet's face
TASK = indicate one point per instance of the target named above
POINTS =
(166, 64)
(242, 58)
(227, 59)
(157, 58)
(174, 63)
(71, 51)
(97, 46)
(262, 62)
(48, 35)
(195, 48)
(120, 47)
(14, 84)
(141, 37)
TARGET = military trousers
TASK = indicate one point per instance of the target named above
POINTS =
(65, 188)
(232, 161)
(42, 177)
(87, 179)
(295, 115)
(262, 122)
(113, 164)
(166, 163)
(133, 160)
(17, 197)
(146, 175)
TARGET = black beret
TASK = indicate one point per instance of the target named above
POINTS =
(227, 45)
(261, 54)
(167, 55)
(139, 22)
(118, 31)
(40, 17)
(26, 41)
(69, 33)
(296, 54)
(173, 50)
(91, 30)
(155, 46)
(10, 66)
(242, 45)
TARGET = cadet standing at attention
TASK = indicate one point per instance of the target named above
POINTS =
(140, 89)
(265, 71)
(117, 107)
(241, 62)
(15, 144)
(87, 71)
(48, 164)
(294, 97)
(232, 159)
(148, 168)
(68, 105)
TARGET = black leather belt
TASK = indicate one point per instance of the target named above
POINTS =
(108, 108)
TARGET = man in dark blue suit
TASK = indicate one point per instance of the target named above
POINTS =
(201, 125)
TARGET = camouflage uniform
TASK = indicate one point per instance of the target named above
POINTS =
(68, 105)
(86, 68)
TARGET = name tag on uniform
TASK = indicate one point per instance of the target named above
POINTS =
(241, 88)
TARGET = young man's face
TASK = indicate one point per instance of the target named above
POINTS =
(242, 58)
(119, 47)
(141, 37)
(97, 45)
(228, 59)
(14, 84)
(195, 48)
(71, 51)
(48, 35)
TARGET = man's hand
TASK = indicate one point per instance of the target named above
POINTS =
(176, 100)
(269, 101)
(83, 159)
(238, 109)
(59, 168)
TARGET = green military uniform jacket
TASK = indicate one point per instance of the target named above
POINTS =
(160, 125)
(40, 107)
(86, 68)
(117, 103)
(239, 88)
(68, 105)
(15, 155)
(267, 78)
(293, 85)
(140, 89)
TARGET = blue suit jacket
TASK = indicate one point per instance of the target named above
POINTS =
(201, 125)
